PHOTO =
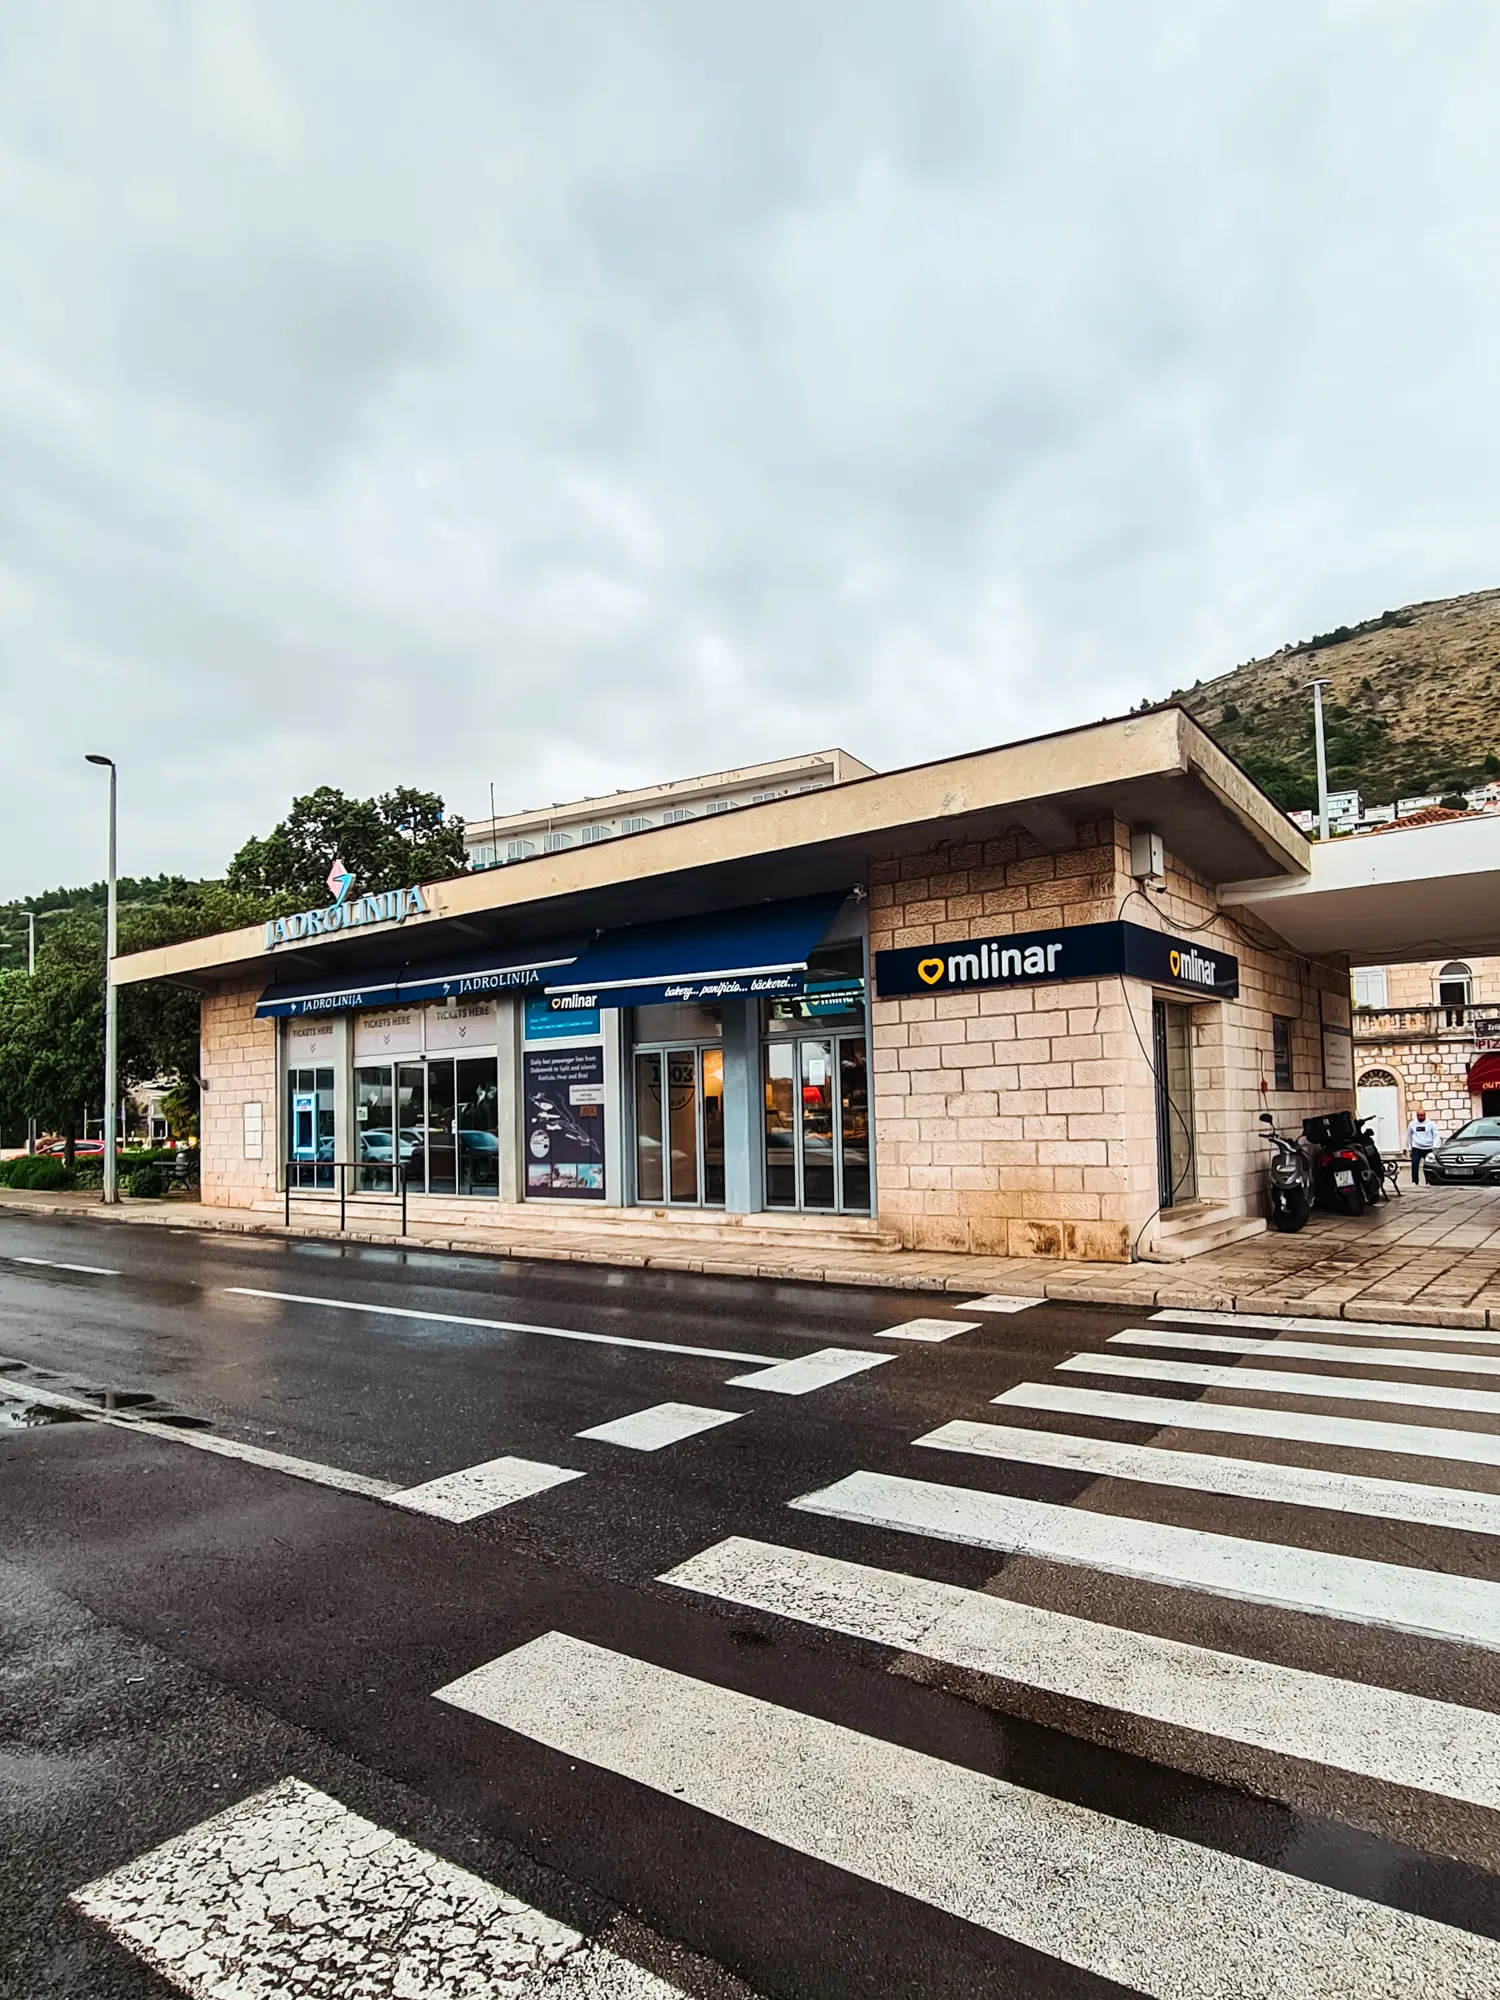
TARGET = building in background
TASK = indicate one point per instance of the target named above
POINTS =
(1429, 1035)
(584, 823)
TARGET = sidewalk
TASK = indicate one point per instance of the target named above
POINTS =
(1432, 1257)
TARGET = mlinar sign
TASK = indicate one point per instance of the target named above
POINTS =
(346, 912)
(1077, 951)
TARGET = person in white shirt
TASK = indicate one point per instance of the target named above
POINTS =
(1421, 1137)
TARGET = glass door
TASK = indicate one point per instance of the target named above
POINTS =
(1176, 1148)
(375, 1130)
(679, 1127)
(817, 1130)
(442, 1137)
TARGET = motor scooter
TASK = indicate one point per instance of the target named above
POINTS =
(1347, 1170)
(1289, 1179)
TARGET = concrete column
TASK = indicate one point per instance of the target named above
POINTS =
(744, 1148)
(508, 1009)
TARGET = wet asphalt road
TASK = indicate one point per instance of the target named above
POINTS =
(184, 1628)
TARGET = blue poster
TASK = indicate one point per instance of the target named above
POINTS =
(550, 1020)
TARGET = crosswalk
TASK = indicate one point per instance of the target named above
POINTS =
(1174, 1913)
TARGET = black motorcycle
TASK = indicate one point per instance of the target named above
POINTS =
(1289, 1182)
(1348, 1173)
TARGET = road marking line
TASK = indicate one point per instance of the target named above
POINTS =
(290, 1892)
(1401, 1739)
(481, 1489)
(1274, 1382)
(1247, 1478)
(501, 1325)
(809, 1371)
(222, 1447)
(53, 1264)
(1237, 1420)
(1459, 1608)
(662, 1424)
(1000, 1302)
(1433, 1362)
(1362, 1329)
(1169, 1917)
(928, 1329)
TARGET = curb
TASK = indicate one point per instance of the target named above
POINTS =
(1082, 1290)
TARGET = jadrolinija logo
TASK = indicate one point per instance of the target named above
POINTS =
(347, 912)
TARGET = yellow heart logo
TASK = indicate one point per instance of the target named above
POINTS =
(929, 971)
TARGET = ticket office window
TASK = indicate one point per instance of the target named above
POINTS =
(435, 1123)
(310, 1127)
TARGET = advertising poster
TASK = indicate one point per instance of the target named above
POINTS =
(561, 1015)
(565, 1124)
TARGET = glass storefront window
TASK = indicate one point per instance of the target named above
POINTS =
(649, 1179)
(678, 1023)
(833, 995)
(438, 1122)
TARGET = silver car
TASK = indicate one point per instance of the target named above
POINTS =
(1471, 1156)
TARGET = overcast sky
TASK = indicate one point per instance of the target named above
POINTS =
(576, 395)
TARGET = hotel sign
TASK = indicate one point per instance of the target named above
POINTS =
(1040, 958)
(346, 912)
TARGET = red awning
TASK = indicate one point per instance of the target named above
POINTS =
(1484, 1072)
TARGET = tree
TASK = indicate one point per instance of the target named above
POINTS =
(402, 836)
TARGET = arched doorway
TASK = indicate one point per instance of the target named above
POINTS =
(1378, 1098)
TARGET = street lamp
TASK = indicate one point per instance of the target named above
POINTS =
(111, 998)
(1317, 693)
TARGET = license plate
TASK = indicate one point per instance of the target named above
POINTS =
(1343, 1180)
(1457, 1173)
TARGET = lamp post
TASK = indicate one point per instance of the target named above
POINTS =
(111, 998)
(30, 969)
(1317, 692)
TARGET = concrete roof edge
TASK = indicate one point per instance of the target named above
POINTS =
(1087, 761)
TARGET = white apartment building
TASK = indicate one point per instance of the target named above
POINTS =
(584, 822)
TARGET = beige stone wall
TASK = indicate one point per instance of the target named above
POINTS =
(1431, 1073)
(239, 1067)
(1023, 1122)
(1234, 1050)
(1417, 985)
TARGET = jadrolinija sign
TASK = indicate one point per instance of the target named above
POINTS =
(346, 912)
(1039, 958)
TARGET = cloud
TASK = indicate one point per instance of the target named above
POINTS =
(575, 396)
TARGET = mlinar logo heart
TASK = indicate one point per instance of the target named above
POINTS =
(930, 971)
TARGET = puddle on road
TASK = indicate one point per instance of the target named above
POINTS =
(174, 1421)
(114, 1399)
(30, 1416)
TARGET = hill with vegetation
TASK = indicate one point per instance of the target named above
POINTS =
(1411, 708)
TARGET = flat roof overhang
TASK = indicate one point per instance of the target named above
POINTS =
(1157, 771)
(1389, 898)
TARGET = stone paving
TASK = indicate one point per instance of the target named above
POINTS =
(1430, 1256)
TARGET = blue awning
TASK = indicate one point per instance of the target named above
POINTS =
(329, 994)
(501, 969)
(761, 951)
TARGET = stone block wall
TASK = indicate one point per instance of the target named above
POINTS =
(239, 1067)
(1022, 1122)
(1431, 1073)
(1007, 1123)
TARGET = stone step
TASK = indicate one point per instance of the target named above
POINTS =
(1175, 1246)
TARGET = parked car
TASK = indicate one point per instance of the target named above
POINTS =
(83, 1149)
(1471, 1155)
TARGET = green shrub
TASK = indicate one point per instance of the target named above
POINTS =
(147, 1183)
(40, 1172)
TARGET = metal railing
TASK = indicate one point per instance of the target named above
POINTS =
(338, 1183)
(1465, 1021)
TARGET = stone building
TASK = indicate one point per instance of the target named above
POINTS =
(1427, 1034)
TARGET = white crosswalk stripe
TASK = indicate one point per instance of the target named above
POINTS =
(661, 1425)
(1401, 1739)
(1246, 1478)
(1432, 1360)
(1239, 1420)
(480, 1489)
(1465, 1609)
(1354, 1329)
(1173, 1918)
(928, 1329)
(810, 1371)
(291, 1893)
(1281, 1382)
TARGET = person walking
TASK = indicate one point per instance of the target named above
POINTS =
(1421, 1137)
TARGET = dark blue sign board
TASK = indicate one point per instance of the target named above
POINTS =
(1043, 958)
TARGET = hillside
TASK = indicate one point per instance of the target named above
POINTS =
(1414, 705)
